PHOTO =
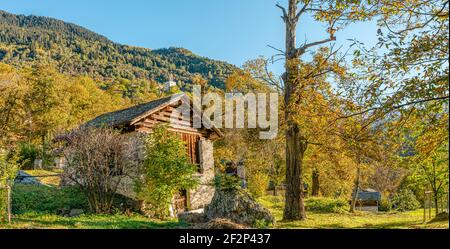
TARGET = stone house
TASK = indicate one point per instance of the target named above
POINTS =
(177, 113)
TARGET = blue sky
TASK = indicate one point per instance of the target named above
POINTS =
(231, 30)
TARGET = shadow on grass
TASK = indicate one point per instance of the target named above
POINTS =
(387, 225)
(390, 225)
(99, 222)
(287, 224)
(320, 220)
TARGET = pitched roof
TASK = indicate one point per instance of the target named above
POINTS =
(369, 194)
(130, 115)
(124, 116)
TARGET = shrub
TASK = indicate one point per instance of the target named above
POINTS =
(226, 182)
(27, 154)
(257, 184)
(166, 170)
(385, 205)
(3, 204)
(326, 205)
(97, 161)
(8, 171)
(405, 200)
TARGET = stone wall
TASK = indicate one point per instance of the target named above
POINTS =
(202, 195)
(131, 174)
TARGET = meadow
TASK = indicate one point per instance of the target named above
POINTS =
(36, 207)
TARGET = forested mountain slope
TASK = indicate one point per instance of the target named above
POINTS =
(75, 50)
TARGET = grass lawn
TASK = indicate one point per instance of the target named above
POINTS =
(386, 220)
(37, 207)
(50, 179)
(45, 221)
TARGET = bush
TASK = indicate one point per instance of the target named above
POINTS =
(405, 200)
(385, 205)
(97, 161)
(226, 182)
(8, 171)
(45, 199)
(326, 205)
(257, 184)
(27, 154)
(3, 204)
(166, 170)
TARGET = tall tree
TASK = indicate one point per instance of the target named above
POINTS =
(12, 89)
(336, 14)
(316, 115)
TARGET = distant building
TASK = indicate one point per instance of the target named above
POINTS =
(368, 200)
(167, 86)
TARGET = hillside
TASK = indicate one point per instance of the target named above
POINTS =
(75, 50)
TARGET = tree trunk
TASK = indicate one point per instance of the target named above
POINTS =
(436, 207)
(315, 183)
(435, 190)
(295, 144)
(356, 190)
(43, 151)
(9, 201)
(294, 207)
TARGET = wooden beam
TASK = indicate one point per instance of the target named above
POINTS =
(178, 116)
(170, 120)
(174, 101)
(182, 129)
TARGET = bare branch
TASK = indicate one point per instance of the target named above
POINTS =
(303, 48)
(273, 82)
(301, 11)
(284, 16)
(277, 49)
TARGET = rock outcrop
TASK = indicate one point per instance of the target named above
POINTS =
(238, 206)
